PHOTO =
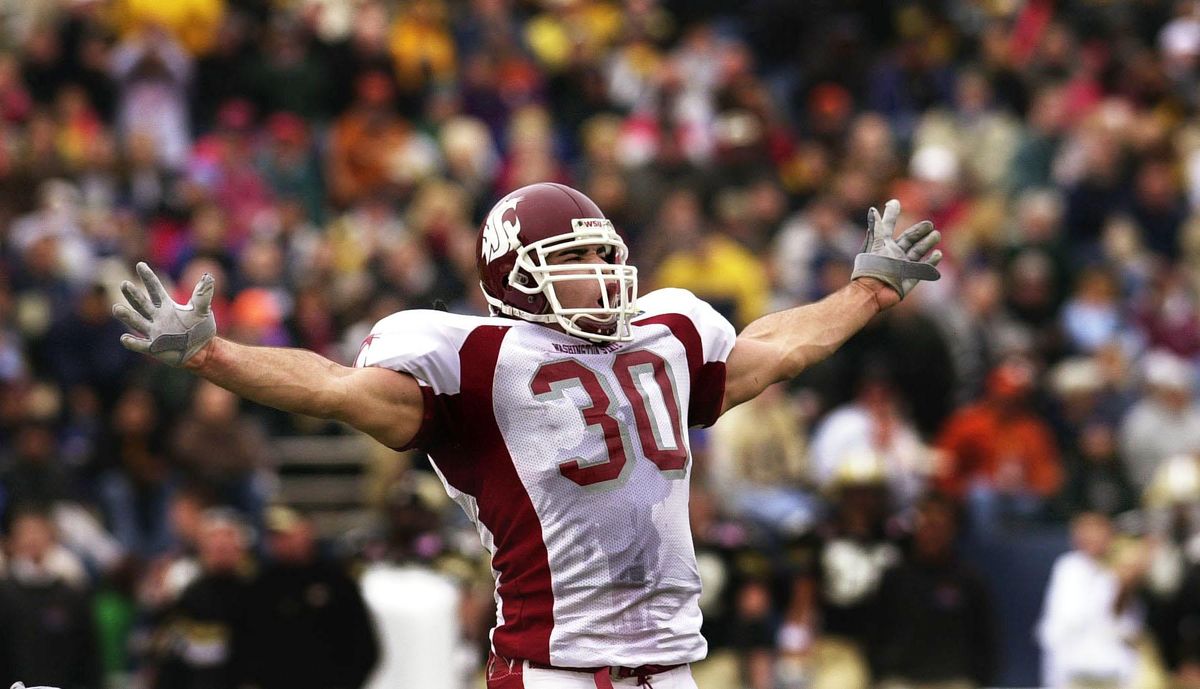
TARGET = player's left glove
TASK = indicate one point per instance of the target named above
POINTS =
(170, 332)
(899, 262)
(21, 685)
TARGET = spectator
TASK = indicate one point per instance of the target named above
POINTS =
(831, 614)
(136, 488)
(978, 331)
(165, 578)
(43, 69)
(47, 628)
(1096, 480)
(35, 474)
(471, 159)
(76, 354)
(224, 166)
(1165, 313)
(936, 627)
(531, 151)
(999, 455)
(721, 272)
(226, 72)
(978, 127)
(1092, 317)
(365, 141)
(1090, 620)
(15, 101)
(295, 76)
(908, 80)
(1158, 206)
(1168, 591)
(1164, 422)
(54, 233)
(737, 596)
(1034, 157)
(221, 448)
(1097, 193)
(200, 638)
(758, 464)
(306, 624)
(873, 424)
(421, 46)
(153, 73)
(147, 185)
(1086, 426)
(805, 241)
(365, 49)
(291, 167)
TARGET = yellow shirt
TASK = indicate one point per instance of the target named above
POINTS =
(720, 270)
(193, 23)
(588, 27)
(419, 48)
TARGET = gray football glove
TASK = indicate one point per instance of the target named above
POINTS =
(21, 685)
(900, 262)
(170, 332)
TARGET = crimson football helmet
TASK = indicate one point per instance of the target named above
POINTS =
(528, 225)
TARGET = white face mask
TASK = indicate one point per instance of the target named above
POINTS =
(613, 312)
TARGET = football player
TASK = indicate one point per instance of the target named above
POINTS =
(559, 423)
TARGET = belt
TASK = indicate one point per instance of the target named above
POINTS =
(605, 675)
(615, 672)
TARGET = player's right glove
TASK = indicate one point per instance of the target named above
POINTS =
(170, 332)
(900, 263)
(21, 685)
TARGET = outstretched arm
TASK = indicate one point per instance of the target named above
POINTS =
(384, 404)
(780, 345)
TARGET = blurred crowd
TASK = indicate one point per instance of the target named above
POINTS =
(329, 162)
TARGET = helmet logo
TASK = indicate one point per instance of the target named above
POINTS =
(500, 235)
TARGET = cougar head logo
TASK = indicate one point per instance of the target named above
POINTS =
(500, 235)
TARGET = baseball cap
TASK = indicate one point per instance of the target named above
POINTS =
(1165, 370)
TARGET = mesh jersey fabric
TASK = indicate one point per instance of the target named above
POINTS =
(572, 460)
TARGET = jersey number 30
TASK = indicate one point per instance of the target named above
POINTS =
(661, 439)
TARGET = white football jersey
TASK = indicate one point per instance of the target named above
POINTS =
(572, 460)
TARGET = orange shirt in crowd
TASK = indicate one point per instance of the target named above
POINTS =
(1005, 448)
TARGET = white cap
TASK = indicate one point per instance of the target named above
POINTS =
(1075, 376)
(1175, 481)
(934, 163)
(1180, 38)
(1163, 369)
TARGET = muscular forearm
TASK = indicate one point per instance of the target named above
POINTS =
(388, 405)
(294, 380)
(807, 334)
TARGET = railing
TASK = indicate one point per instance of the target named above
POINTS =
(325, 478)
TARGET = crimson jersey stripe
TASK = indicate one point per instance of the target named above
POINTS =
(426, 435)
(477, 463)
(708, 378)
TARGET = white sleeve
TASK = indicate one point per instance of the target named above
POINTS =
(422, 343)
(426, 345)
(708, 338)
(716, 332)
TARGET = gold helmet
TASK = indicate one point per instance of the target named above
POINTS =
(1176, 481)
(859, 467)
